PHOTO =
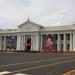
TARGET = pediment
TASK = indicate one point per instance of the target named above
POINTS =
(30, 26)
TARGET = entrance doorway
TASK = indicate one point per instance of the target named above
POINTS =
(28, 43)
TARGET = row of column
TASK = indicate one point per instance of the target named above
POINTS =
(35, 42)
(3, 42)
(59, 42)
(65, 42)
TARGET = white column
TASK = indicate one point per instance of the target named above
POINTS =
(18, 42)
(21, 42)
(41, 41)
(58, 42)
(24, 41)
(64, 42)
(4, 42)
(34, 42)
(73, 41)
(31, 42)
(70, 42)
(37, 42)
(0, 42)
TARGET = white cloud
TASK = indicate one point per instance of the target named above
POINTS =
(45, 12)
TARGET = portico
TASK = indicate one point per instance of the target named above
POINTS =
(22, 42)
(32, 37)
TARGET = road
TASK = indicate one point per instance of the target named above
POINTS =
(36, 63)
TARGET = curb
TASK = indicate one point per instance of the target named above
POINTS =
(70, 73)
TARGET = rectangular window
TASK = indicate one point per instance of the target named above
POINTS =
(62, 36)
(68, 46)
(68, 36)
(55, 36)
(61, 46)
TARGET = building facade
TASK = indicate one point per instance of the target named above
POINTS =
(30, 36)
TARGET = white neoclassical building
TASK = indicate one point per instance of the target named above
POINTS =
(31, 36)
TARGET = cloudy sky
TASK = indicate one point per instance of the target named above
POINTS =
(44, 12)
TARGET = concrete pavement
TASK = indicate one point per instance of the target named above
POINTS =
(36, 63)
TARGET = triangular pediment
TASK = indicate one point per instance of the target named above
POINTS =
(30, 26)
